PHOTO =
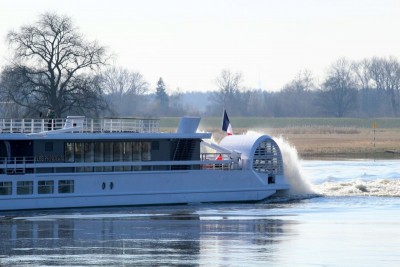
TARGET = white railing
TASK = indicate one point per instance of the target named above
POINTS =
(216, 161)
(89, 125)
(22, 165)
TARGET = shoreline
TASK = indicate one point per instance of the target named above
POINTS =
(361, 156)
(326, 142)
(335, 143)
(357, 144)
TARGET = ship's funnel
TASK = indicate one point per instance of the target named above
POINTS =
(188, 125)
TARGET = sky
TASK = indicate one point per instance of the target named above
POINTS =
(188, 43)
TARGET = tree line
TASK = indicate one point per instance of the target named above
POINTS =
(365, 88)
(54, 65)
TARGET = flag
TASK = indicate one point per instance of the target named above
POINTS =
(226, 125)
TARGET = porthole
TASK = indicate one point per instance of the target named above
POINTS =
(111, 185)
(103, 186)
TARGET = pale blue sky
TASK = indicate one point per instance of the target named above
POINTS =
(188, 43)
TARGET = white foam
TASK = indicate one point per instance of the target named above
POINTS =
(292, 168)
(380, 187)
(354, 178)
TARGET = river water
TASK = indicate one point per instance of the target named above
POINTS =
(341, 213)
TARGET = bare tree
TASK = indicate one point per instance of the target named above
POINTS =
(385, 74)
(368, 94)
(124, 89)
(54, 66)
(338, 94)
(120, 81)
(176, 107)
(296, 96)
(229, 92)
(362, 71)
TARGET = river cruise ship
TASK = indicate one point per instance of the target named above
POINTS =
(81, 162)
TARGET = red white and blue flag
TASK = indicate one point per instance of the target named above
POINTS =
(226, 125)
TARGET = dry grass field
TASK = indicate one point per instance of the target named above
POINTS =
(355, 144)
(325, 142)
(317, 138)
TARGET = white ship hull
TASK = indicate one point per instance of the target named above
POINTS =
(148, 188)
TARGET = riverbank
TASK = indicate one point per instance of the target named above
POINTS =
(357, 143)
(316, 138)
(336, 142)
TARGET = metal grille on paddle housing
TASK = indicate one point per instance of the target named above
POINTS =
(267, 158)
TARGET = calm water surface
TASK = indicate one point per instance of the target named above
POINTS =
(354, 221)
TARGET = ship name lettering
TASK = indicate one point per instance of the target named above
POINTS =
(49, 158)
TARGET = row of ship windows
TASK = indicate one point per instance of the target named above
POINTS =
(108, 151)
(43, 187)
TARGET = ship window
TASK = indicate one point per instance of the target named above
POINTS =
(78, 155)
(48, 146)
(98, 151)
(88, 155)
(155, 145)
(69, 152)
(5, 188)
(136, 154)
(107, 150)
(24, 187)
(45, 187)
(98, 155)
(88, 152)
(117, 151)
(78, 152)
(65, 186)
(136, 151)
(146, 151)
(127, 154)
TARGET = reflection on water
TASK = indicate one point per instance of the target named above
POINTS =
(354, 222)
(150, 236)
(321, 231)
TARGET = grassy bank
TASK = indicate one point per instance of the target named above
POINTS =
(318, 137)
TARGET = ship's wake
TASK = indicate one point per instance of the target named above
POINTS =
(376, 179)
(300, 188)
(292, 168)
(379, 187)
(335, 178)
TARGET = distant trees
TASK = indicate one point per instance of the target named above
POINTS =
(297, 98)
(125, 90)
(161, 96)
(228, 96)
(338, 94)
(385, 75)
(54, 66)
(366, 88)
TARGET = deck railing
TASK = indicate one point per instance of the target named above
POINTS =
(22, 165)
(29, 126)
